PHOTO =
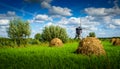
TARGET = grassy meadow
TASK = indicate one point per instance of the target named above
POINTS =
(44, 57)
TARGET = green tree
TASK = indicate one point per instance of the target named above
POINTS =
(52, 31)
(19, 31)
(92, 34)
(37, 36)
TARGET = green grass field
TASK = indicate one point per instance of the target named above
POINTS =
(44, 57)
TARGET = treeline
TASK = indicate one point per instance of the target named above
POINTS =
(5, 42)
(107, 38)
(14, 42)
(19, 34)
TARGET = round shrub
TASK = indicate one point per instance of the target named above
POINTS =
(35, 41)
(50, 32)
(37, 36)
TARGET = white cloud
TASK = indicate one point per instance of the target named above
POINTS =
(102, 11)
(95, 11)
(116, 3)
(49, 23)
(11, 13)
(71, 23)
(112, 26)
(4, 21)
(85, 21)
(116, 21)
(107, 19)
(60, 11)
(74, 20)
(53, 10)
(45, 4)
(40, 18)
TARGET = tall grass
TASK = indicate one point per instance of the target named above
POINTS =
(44, 57)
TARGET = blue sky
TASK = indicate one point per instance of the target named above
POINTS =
(99, 16)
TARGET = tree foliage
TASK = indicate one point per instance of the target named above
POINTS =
(92, 34)
(19, 30)
(50, 32)
(37, 36)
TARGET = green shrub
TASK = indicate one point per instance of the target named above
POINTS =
(34, 41)
(7, 42)
(51, 32)
(92, 34)
(37, 36)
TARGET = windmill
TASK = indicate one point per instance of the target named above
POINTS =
(78, 31)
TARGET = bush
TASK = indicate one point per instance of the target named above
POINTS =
(7, 42)
(34, 41)
(37, 36)
(54, 32)
(92, 34)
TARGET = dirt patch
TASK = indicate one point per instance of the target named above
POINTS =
(56, 42)
(91, 46)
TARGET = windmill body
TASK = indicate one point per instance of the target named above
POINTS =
(78, 32)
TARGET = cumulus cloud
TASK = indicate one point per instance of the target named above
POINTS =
(95, 11)
(53, 10)
(112, 26)
(116, 21)
(56, 10)
(107, 17)
(115, 10)
(45, 5)
(11, 13)
(60, 11)
(102, 11)
(5, 18)
(4, 22)
(40, 18)
(116, 4)
(87, 22)
(48, 24)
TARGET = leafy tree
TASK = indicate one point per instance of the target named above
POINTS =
(52, 31)
(18, 31)
(92, 34)
(37, 36)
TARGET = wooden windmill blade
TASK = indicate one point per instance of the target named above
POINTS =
(86, 29)
(80, 23)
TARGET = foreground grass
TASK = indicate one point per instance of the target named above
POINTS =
(44, 57)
